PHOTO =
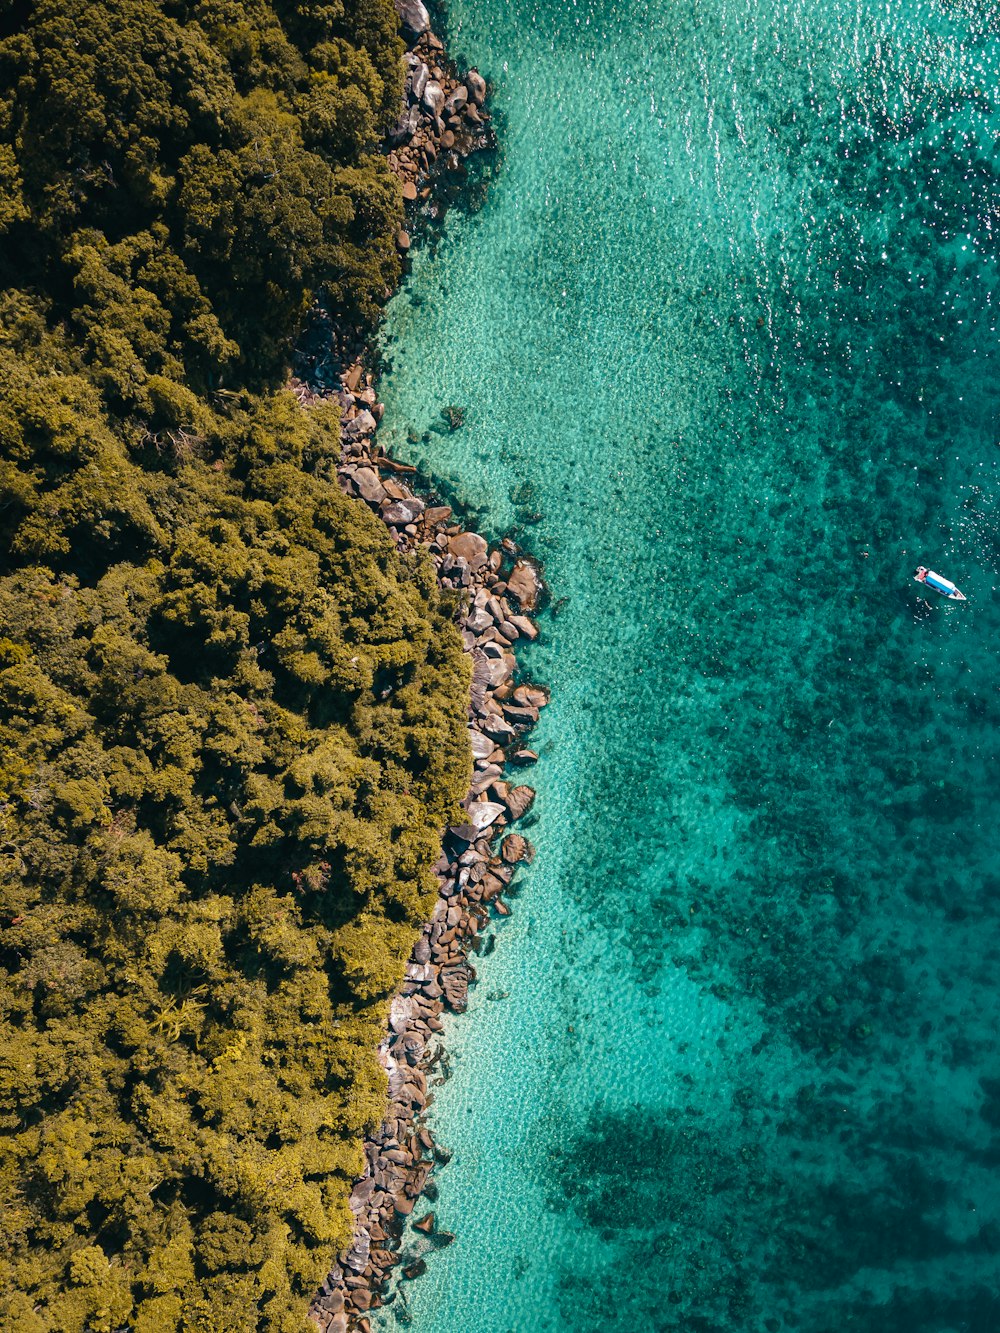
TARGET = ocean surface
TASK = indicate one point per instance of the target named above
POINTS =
(721, 315)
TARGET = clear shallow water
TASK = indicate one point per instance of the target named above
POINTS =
(726, 323)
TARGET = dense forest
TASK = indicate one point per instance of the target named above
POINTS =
(232, 717)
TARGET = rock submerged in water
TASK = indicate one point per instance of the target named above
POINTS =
(455, 981)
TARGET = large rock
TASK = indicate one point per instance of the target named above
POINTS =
(362, 424)
(469, 546)
(525, 584)
(479, 621)
(418, 81)
(406, 127)
(465, 832)
(332, 1301)
(455, 981)
(502, 669)
(366, 479)
(515, 848)
(532, 696)
(399, 1013)
(362, 1191)
(522, 715)
(524, 757)
(433, 98)
(356, 1257)
(476, 85)
(519, 800)
(482, 746)
(497, 726)
(483, 813)
(456, 101)
(414, 16)
(401, 512)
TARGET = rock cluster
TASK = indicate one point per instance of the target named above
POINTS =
(477, 865)
(499, 588)
(443, 118)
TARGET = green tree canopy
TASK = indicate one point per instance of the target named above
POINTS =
(232, 717)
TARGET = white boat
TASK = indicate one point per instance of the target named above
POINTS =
(940, 584)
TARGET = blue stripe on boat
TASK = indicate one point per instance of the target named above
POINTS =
(941, 584)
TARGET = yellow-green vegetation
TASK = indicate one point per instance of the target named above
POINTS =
(231, 717)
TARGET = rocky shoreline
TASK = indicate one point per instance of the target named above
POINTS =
(443, 120)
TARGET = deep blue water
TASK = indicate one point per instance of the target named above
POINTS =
(724, 331)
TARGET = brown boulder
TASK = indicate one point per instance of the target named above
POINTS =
(491, 886)
(531, 696)
(456, 990)
(471, 547)
(519, 801)
(522, 715)
(515, 848)
(524, 757)
(425, 1224)
(525, 584)
(476, 85)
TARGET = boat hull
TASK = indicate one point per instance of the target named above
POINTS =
(941, 585)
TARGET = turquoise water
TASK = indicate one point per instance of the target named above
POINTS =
(724, 332)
